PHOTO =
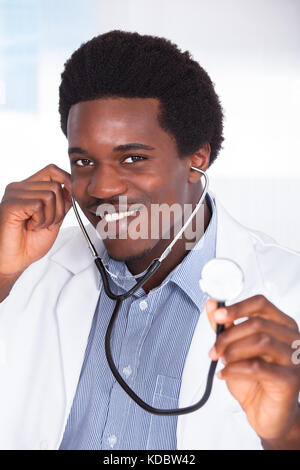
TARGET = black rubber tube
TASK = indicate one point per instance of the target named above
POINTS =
(135, 397)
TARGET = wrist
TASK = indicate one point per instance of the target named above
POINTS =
(7, 282)
(290, 440)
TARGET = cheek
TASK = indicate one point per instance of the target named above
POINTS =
(169, 189)
(79, 186)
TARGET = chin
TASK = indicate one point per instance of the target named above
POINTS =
(128, 251)
(127, 259)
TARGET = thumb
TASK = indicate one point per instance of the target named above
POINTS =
(211, 307)
(67, 198)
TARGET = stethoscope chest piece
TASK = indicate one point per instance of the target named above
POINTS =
(222, 279)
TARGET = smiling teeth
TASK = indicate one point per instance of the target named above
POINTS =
(118, 216)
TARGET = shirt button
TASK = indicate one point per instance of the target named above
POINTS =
(112, 440)
(143, 305)
(127, 371)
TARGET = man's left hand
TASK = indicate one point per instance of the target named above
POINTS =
(259, 368)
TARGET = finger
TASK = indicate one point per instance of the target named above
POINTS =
(67, 199)
(257, 305)
(60, 196)
(211, 306)
(272, 375)
(250, 327)
(48, 199)
(63, 196)
(53, 173)
(260, 345)
(28, 210)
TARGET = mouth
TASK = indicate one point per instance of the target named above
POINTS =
(119, 215)
(116, 225)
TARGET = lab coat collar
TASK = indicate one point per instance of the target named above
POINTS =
(234, 242)
(75, 255)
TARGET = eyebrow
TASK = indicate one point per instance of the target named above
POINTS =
(133, 145)
(119, 148)
(76, 150)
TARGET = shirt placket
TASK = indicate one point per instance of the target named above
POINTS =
(139, 320)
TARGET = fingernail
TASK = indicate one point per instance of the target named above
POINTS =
(210, 305)
(213, 353)
(223, 360)
(221, 314)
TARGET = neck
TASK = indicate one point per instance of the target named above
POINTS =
(175, 257)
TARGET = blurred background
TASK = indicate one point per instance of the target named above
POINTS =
(250, 50)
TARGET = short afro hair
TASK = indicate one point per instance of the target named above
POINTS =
(130, 65)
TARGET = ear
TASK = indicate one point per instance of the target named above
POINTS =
(199, 159)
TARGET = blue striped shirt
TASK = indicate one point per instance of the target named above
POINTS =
(149, 345)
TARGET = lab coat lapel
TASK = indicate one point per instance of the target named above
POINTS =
(76, 306)
(233, 242)
(75, 310)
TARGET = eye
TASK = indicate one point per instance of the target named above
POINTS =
(134, 158)
(83, 162)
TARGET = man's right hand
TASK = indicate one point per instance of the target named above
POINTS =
(31, 213)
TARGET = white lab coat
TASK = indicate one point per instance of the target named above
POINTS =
(46, 319)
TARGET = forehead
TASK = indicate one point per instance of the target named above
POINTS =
(117, 120)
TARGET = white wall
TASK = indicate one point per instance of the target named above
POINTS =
(251, 51)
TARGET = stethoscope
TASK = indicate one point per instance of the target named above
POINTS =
(214, 274)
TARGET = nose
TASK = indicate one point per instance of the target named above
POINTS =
(106, 183)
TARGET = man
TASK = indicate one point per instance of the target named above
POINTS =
(139, 114)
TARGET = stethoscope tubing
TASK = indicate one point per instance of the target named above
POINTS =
(135, 397)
